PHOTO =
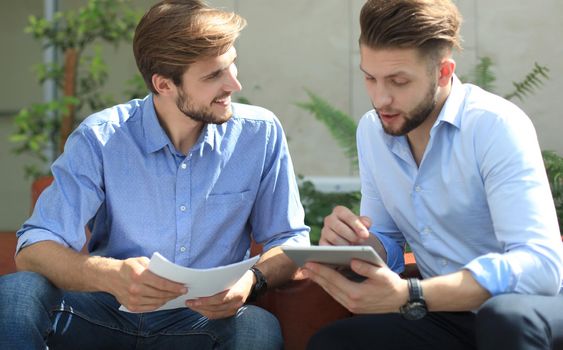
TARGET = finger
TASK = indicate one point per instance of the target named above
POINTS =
(337, 236)
(332, 282)
(353, 221)
(210, 301)
(366, 221)
(364, 269)
(163, 285)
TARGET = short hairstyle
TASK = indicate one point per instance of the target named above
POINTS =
(431, 26)
(176, 33)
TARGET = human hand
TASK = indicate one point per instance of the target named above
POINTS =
(226, 303)
(140, 290)
(382, 291)
(343, 227)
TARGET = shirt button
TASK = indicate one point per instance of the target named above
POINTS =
(427, 230)
(183, 208)
(418, 189)
(182, 249)
(444, 262)
(183, 166)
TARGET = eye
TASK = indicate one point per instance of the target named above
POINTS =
(214, 76)
(368, 77)
(399, 82)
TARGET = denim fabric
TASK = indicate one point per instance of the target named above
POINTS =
(26, 299)
(33, 311)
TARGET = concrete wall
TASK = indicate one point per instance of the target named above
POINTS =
(295, 44)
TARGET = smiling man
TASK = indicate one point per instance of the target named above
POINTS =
(184, 172)
(457, 173)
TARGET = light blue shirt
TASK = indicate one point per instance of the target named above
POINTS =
(480, 199)
(121, 174)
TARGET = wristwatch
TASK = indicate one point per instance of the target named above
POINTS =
(415, 308)
(259, 287)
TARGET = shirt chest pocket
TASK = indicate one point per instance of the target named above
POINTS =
(214, 200)
(227, 221)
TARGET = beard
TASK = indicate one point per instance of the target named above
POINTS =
(201, 113)
(417, 115)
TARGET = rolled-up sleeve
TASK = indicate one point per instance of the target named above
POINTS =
(75, 195)
(522, 211)
(278, 217)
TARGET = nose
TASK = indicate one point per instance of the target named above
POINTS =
(232, 84)
(380, 97)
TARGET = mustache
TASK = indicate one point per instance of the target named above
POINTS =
(226, 94)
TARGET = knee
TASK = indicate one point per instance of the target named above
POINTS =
(27, 291)
(505, 311)
(256, 328)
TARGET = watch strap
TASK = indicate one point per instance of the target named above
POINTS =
(415, 290)
(259, 287)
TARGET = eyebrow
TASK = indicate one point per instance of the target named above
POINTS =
(218, 71)
(395, 74)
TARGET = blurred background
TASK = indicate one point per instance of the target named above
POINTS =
(290, 47)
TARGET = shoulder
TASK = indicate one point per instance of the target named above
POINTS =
(244, 112)
(103, 124)
(485, 112)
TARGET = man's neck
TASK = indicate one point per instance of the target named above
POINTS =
(419, 137)
(182, 131)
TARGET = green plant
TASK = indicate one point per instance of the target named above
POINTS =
(343, 128)
(554, 168)
(319, 204)
(42, 128)
(483, 76)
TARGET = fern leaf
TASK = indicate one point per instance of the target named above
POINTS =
(341, 126)
(531, 82)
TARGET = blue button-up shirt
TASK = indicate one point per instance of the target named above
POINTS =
(121, 174)
(479, 200)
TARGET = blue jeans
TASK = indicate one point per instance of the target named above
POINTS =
(34, 314)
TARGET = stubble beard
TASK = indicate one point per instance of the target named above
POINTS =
(201, 114)
(417, 116)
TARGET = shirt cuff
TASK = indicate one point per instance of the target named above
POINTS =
(395, 258)
(33, 236)
(494, 273)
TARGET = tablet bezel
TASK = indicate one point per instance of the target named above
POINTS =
(332, 255)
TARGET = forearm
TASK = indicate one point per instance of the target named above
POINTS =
(66, 268)
(458, 291)
(276, 267)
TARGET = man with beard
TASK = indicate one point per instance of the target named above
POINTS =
(183, 172)
(456, 173)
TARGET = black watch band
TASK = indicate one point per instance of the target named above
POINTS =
(259, 287)
(415, 308)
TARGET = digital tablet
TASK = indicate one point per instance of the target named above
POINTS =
(332, 255)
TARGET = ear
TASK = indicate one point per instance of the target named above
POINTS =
(162, 85)
(447, 69)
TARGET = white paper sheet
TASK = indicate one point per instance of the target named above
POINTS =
(200, 282)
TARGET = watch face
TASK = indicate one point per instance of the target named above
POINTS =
(414, 311)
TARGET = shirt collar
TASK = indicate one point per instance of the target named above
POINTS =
(155, 136)
(450, 112)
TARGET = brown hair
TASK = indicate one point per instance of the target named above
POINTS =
(176, 33)
(431, 26)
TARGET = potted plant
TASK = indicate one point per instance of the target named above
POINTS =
(42, 128)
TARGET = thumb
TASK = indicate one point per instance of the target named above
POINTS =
(363, 268)
(366, 221)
